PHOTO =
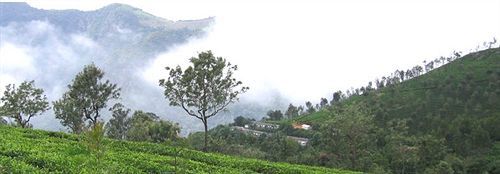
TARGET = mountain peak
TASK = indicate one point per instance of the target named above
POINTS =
(119, 7)
(14, 5)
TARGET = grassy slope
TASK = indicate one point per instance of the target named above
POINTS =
(37, 151)
(476, 65)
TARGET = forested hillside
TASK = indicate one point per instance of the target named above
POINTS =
(428, 119)
(114, 83)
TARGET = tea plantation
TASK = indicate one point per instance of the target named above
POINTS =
(37, 151)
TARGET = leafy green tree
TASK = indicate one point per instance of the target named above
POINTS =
(68, 112)
(242, 121)
(441, 168)
(323, 103)
(94, 141)
(301, 110)
(139, 124)
(279, 147)
(86, 96)
(203, 89)
(161, 131)
(400, 147)
(349, 135)
(118, 125)
(292, 111)
(147, 126)
(23, 103)
(310, 107)
(275, 115)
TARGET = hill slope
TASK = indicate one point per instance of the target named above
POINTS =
(444, 121)
(36, 151)
(458, 86)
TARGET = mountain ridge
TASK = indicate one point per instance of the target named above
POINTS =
(120, 39)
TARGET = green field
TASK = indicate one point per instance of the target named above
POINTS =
(37, 151)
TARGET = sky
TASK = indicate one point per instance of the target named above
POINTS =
(306, 50)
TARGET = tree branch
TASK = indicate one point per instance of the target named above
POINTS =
(219, 109)
(29, 117)
(187, 110)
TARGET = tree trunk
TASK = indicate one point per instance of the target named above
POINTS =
(20, 120)
(205, 148)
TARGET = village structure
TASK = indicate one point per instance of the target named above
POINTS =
(259, 128)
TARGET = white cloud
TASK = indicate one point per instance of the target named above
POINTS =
(37, 50)
(15, 64)
(303, 50)
(308, 50)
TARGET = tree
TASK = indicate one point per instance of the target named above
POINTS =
(242, 121)
(301, 110)
(203, 89)
(117, 126)
(310, 107)
(279, 147)
(323, 103)
(147, 126)
(337, 96)
(139, 123)
(275, 115)
(349, 136)
(161, 131)
(69, 113)
(23, 103)
(86, 96)
(292, 111)
(94, 141)
(399, 146)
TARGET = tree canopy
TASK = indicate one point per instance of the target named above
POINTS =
(85, 98)
(23, 103)
(204, 88)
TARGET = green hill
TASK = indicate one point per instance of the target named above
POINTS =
(37, 151)
(443, 121)
(467, 85)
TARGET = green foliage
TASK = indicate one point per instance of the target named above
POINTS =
(36, 151)
(494, 159)
(349, 135)
(242, 121)
(204, 88)
(445, 118)
(93, 140)
(441, 168)
(146, 126)
(275, 115)
(23, 103)
(278, 146)
(3, 121)
(310, 108)
(292, 111)
(162, 131)
(118, 125)
(68, 112)
(86, 96)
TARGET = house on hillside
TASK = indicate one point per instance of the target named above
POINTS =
(262, 126)
(301, 141)
(248, 131)
(301, 126)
